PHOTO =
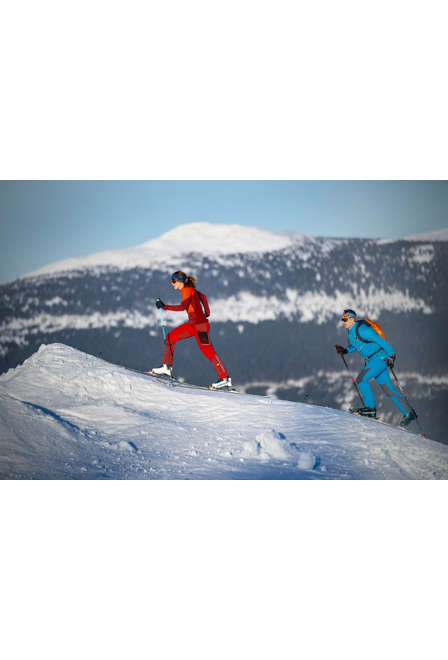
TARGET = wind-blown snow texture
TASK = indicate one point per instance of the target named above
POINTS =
(68, 415)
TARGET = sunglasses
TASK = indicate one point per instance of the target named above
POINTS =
(346, 318)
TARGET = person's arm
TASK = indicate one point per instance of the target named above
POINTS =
(343, 350)
(178, 308)
(350, 348)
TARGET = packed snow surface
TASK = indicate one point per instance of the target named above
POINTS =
(68, 415)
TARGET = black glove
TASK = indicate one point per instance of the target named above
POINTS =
(340, 349)
(159, 304)
(390, 361)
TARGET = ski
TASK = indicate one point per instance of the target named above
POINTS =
(171, 380)
(163, 377)
(380, 421)
(222, 389)
(377, 420)
(355, 412)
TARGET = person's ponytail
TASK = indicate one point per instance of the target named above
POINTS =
(180, 276)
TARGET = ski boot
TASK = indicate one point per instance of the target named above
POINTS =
(365, 412)
(164, 370)
(222, 383)
(407, 419)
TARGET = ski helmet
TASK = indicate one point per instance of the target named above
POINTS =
(179, 276)
(348, 314)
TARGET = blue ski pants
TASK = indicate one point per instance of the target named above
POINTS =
(377, 369)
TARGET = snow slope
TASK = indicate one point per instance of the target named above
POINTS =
(67, 415)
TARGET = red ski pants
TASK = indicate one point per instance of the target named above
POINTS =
(201, 332)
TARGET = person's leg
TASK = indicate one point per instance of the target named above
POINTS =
(204, 343)
(370, 371)
(394, 395)
(182, 332)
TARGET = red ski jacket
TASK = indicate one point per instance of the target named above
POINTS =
(191, 302)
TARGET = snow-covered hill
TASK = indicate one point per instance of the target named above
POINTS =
(196, 237)
(210, 240)
(65, 414)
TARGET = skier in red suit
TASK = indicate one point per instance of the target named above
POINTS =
(195, 304)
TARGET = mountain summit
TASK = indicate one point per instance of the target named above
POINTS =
(196, 237)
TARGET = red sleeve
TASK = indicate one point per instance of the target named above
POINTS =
(178, 308)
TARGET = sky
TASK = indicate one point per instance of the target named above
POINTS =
(44, 221)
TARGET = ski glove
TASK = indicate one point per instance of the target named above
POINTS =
(390, 361)
(340, 349)
(160, 304)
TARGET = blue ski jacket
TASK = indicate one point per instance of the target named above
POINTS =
(373, 346)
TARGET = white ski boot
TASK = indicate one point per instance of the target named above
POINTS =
(222, 383)
(164, 370)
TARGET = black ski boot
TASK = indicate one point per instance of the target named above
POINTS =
(407, 419)
(365, 412)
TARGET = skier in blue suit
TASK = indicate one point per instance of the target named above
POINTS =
(379, 355)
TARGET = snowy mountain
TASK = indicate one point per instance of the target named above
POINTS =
(201, 238)
(68, 415)
(437, 235)
(198, 237)
(275, 304)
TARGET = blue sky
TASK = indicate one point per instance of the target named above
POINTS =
(44, 221)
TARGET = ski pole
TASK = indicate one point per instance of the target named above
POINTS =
(407, 400)
(353, 380)
(163, 324)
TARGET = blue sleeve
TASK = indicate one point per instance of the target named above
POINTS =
(366, 332)
(350, 348)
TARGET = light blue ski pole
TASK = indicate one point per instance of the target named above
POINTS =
(163, 324)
